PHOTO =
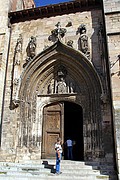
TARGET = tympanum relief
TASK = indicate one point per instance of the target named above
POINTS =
(62, 83)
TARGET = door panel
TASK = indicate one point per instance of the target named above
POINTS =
(52, 128)
(51, 139)
(53, 121)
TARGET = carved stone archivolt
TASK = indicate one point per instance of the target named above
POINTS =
(61, 72)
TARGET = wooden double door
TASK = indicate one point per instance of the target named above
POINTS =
(63, 119)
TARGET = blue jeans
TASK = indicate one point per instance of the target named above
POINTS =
(69, 152)
(58, 162)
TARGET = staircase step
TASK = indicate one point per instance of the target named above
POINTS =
(45, 170)
(51, 177)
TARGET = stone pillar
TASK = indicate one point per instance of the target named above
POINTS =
(4, 40)
(112, 21)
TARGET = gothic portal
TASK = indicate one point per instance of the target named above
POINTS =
(55, 78)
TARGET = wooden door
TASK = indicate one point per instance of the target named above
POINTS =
(52, 128)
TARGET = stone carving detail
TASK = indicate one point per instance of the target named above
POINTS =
(15, 89)
(31, 47)
(83, 40)
(18, 50)
(57, 33)
(28, 135)
(16, 73)
(31, 50)
(61, 84)
(101, 40)
(45, 47)
(16, 82)
(105, 98)
(70, 43)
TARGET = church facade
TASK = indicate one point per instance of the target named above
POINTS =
(60, 77)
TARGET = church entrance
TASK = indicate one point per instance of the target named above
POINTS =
(73, 128)
(64, 119)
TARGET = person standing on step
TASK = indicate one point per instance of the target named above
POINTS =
(58, 149)
(69, 144)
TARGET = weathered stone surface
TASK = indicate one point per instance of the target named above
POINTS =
(34, 81)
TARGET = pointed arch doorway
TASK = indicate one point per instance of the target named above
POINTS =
(64, 119)
(73, 128)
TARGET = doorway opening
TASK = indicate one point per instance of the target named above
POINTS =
(73, 128)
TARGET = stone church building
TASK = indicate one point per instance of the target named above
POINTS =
(60, 76)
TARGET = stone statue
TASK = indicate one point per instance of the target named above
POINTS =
(18, 50)
(31, 47)
(57, 33)
(31, 50)
(61, 84)
(83, 40)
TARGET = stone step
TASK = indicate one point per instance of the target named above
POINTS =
(24, 169)
(51, 177)
(45, 169)
(40, 171)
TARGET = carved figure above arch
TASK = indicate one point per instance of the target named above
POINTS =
(62, 83)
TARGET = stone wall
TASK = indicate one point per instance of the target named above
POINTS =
(41, 30)
(4, 39)
(112, 20)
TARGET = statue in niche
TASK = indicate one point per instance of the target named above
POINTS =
(83, 40)
(57, 33)
(101, 40)
(71, 87)
(31, 47)
(51, 87)
(61, 84)
(18, 50)
(31, 50)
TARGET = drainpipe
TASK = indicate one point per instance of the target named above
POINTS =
(3, 100)
(109, 87)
